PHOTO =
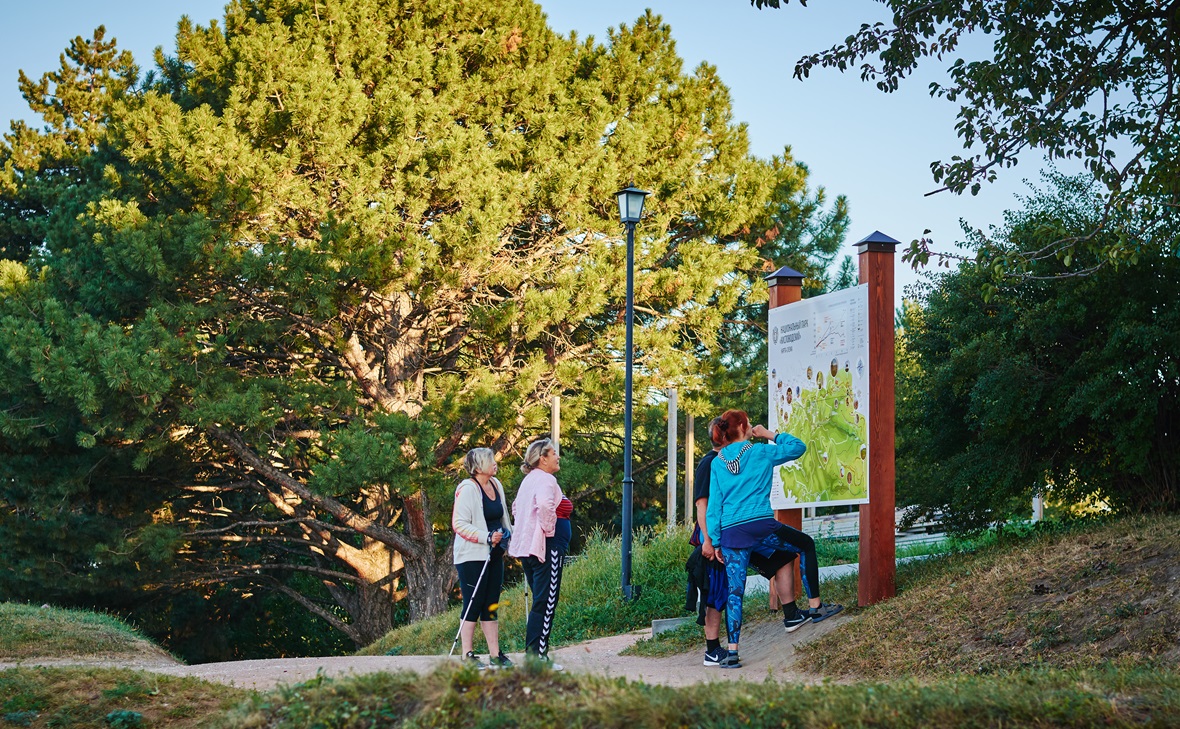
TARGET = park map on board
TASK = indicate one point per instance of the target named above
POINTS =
(818, 360)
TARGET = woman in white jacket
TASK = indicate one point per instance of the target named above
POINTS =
(481, 523)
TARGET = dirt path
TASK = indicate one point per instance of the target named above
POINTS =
(766, 653)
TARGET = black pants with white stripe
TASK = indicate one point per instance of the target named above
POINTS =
(545, 582)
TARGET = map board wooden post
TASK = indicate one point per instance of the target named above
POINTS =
(786, 287)
(878, 565)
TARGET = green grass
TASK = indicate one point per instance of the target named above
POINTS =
(60, 698)
(832, 551)
(590, 605)
(690, 637)
(527, 698)
(829, 551)
(27, 631)
(842, 590)
(926, 549)
(1004, 635)
(673, 642)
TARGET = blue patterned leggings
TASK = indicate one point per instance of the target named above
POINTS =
(737, 561)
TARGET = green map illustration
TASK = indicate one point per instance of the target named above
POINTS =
(818, 390)
(825, 416)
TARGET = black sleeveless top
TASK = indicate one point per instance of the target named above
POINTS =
(493, 509)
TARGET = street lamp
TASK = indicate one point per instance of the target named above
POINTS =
(630, 211)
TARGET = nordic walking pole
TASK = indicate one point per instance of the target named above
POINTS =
(463, 617)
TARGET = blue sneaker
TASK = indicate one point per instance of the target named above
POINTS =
(713, 657)
(730, 660)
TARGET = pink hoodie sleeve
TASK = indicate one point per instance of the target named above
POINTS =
(547, 499)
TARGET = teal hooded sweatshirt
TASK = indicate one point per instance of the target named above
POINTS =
(740, 479)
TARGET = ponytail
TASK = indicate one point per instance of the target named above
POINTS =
(729, 427)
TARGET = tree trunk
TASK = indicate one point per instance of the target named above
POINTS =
(428, 583)
(429, 574)
(377, 588)
(372, 617)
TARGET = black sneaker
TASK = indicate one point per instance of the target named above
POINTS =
(501, 661)
(802, 617)
(713, 657)
(824, 611)
(473, 660)
(730, 660)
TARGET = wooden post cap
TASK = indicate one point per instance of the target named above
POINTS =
(877, 242)
(785, 276)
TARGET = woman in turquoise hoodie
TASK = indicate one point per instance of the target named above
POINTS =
(741, 520)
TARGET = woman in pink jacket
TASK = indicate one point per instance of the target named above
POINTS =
(542, 537)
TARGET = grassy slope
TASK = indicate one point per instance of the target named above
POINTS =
(1069, 598)
(35, 632)
(1125, 570)
(589, 605)
(1090, 606)
(526, 698)
(84, 697)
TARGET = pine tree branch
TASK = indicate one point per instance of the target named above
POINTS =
(342, 513)
(328, 617)
(264, 523)
(320, 571)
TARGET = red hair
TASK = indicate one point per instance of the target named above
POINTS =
(730, 426)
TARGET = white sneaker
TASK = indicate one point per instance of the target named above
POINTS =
(547, 662)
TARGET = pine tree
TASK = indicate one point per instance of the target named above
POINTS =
(37, 167)
(335, 244)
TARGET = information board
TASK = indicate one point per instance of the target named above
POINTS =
(818, 368)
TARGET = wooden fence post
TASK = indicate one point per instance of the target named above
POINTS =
(878, 555)
(786, 287)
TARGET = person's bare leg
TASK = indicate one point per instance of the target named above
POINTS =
(491, 633)
(784, 583)
(467, 635)
(712, 624)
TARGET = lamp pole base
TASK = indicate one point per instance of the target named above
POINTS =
(631, 592)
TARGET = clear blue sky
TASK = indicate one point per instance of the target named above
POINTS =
(875, 148)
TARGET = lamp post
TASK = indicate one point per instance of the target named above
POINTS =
(630, 211)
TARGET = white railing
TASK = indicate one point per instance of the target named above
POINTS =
(847, 526)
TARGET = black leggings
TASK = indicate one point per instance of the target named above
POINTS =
(804, 546)
(544, 580)
(478, 604)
